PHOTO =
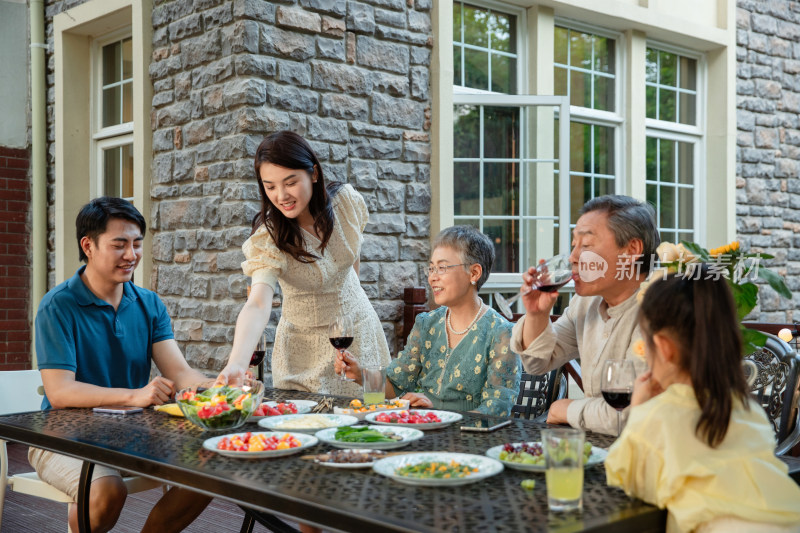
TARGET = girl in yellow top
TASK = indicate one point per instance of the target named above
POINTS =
(695, 442)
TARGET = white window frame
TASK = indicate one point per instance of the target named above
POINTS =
(110, 136)
(613, 119)
(561, 103)
(521, 43)
(687, 133)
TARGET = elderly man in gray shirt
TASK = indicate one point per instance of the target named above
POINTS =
(614, 243)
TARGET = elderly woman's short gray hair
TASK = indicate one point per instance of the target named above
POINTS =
(472, 245)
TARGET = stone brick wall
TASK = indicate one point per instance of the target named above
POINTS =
(15, 260)
(352, 77)
(768, 143)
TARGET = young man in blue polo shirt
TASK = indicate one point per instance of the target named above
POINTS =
(96, 336)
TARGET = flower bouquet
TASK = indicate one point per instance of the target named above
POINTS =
(739, 269)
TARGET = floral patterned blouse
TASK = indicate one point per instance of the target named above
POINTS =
(480, 374)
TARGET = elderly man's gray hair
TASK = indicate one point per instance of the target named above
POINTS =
(628, 219)
(472, 245)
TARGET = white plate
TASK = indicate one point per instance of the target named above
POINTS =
(306, 441)
(598, 456)
(361, 415)
(365, 464)
(409, 435)
(486, 467)
(275, 423)
(303, 407)
(446, 418)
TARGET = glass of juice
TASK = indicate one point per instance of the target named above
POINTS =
(563, 455)
(374, 382)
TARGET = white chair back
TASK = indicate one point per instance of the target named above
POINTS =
(25, 387)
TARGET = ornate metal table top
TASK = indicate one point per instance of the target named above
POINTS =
(170, 449)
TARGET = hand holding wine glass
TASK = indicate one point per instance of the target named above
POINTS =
(547, 277)
(616, 385)
(340, 334)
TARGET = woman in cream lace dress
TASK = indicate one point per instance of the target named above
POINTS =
(307, 237)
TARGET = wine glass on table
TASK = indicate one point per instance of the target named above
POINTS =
(617, 385)
(340, 333)
(257, 359)
(550, 275)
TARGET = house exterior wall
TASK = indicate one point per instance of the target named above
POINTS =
(15, 260)
(352, 77)
(768, 143)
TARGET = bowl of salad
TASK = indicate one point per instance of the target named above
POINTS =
(216, 407)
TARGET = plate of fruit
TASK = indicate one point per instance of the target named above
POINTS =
(359, 410)
(254, 445)
(290, 407)
(529, 457)
(418, 418)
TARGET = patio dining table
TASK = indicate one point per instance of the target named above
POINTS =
(170, 449)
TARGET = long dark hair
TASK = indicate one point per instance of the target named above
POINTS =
(699, 314)
(289, 150)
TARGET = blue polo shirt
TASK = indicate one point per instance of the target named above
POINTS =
(77, 331)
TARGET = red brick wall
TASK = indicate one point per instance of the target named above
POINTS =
(15, 260)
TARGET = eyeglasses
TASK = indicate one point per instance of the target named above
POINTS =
(442, 270)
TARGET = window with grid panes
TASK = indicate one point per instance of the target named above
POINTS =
(584, 69)
(114, 119)
(671, 85)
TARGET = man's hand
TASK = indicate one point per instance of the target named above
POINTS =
(417, 400)
(536, 302)
(558, 412)
(644, 388)
(157, 392)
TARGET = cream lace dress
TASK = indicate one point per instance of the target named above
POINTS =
(313, 294)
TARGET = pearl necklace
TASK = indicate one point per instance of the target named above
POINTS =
(451, 328)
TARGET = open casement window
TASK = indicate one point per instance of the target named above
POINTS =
(511, 177)
(113, 117)
(674, 141)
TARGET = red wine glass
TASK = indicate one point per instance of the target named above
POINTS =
(340, 334)
(617, 385)
(550, 276)
(257, 359)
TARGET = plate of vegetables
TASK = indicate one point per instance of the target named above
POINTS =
(254, 445)
(436, 469)
(418, 418)
(373, 437)
(529, 457)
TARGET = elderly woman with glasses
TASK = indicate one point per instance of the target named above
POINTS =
(457, 357)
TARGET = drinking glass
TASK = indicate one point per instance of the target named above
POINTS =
(257, 359)
(374, 383)
(563, 455)
(549, 276)
(617, 385)
(340, 333)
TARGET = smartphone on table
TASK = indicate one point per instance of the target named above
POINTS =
(118, 409)
(485, 425)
